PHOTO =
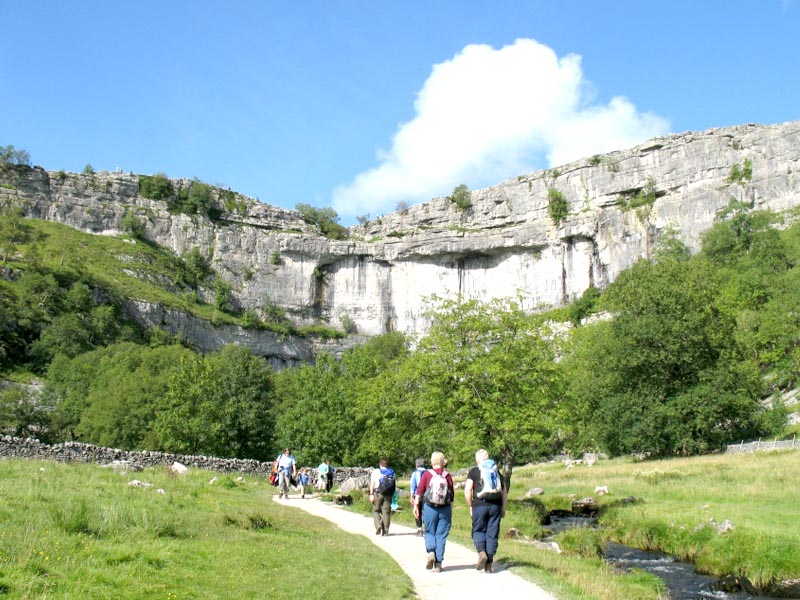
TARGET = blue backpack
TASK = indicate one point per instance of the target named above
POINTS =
(490, 487)
(386, 484)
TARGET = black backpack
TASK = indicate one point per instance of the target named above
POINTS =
(386, 484)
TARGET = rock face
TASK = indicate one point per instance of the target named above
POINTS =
(505, 244)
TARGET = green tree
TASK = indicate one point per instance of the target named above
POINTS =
(245, 390)
(194, 268)
(484, 376)
(14, 232)
(315, 412)
(23, 414)
(110, 396)
(220, 405)
(132, 225)
(664, 376)
(326, 219)
(461, 197)
(9, 155)
(189, 418)
(155, 187)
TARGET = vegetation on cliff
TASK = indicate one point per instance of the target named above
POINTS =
(695, 346)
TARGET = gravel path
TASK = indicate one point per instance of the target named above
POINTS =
(459, 579)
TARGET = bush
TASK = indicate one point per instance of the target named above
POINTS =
(461, 197)
(644, 197)
(557, 206)
(131, 225)
(155, 187)
(11, 156)
(326, 219)
(740, 175)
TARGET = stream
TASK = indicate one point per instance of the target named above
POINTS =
(680, 578)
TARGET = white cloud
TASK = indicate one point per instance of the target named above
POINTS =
(487, 115)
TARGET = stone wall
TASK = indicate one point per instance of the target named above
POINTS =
(29, 448)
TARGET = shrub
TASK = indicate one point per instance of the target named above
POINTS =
(461, 197)
(199, 199)
(740, 175)
(155, 187)
(131, 225)
(557, 206)
(11, 156)
(250, 319)
(348, 324)
(644, 197)
(326, 219)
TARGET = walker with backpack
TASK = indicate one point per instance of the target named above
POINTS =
(438, 493)
(490, 487)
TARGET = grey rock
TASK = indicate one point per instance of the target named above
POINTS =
(505, 243)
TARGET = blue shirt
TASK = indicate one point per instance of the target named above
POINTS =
(415, 476)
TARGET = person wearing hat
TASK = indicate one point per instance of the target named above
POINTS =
(415, 476)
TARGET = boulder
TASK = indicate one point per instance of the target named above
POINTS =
(354, 483)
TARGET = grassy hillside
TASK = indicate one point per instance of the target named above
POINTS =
(41, 262)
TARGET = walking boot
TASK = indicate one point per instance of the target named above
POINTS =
(482, 558)
(437, 567)
(488, 568)
(431, 560)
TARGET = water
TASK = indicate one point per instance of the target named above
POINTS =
(682, 581)
(680, 578)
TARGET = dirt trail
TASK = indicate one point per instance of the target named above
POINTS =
(458, 581)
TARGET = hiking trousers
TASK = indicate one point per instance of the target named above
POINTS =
(284, 478)
(382, 512)
(437, 527)
(486, 527)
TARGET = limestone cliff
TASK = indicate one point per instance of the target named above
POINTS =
(505, 243)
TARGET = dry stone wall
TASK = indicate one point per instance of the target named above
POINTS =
(33, 449)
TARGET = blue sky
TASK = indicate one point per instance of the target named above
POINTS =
(359, 105)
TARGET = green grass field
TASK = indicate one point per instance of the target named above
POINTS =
(677, 503)
(81, 531)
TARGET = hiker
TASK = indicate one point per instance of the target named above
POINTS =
(329, 477)
(322, 475)
(302, 481)
(381, 489)
(420, 464)
(487, 495)
(435, 504)
(287, 469)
